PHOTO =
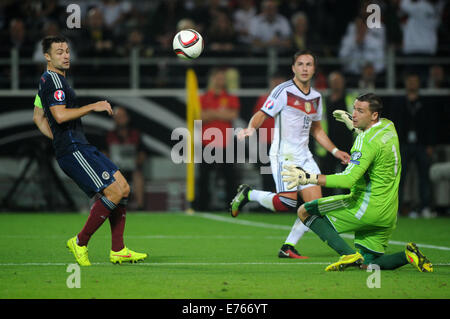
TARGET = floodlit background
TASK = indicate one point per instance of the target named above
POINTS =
(122, 52)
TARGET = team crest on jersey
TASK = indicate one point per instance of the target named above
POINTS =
(354, 157)
(270, 104)
(59, 95)
(105, 175)
(307, 107)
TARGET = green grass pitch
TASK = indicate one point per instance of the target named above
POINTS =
(206, 256)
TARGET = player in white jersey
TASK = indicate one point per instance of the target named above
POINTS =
(297, 110)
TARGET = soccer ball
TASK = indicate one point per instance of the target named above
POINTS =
(188, 44)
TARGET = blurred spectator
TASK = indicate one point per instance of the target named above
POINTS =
(268, 125)
(368, 77)
(115, 14)
(436, 78)
(126, 150)
(162, 23)
(361, 45)
(300, 28)
(241, 20)
(96, 40)
(288, 8)
(270, 29)
(393, 23)
(18, 39)
(414, 119)
(320, 79)
(186, 24)
(48, 10)
(420, 31)
(333, 17)
(205, 13)
(337, 99)
(220, 37)
(233, 79)
(219, 110)
(420, 28)
(134, 40)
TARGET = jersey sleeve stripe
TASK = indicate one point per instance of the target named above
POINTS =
(281, 88)
(55, 79)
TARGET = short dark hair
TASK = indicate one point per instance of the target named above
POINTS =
(48, 40)
(304, 52)
(375, 103)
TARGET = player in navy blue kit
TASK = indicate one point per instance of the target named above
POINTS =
(58, 117)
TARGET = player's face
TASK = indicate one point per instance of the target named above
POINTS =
(304, 68)
(362, 116)
(59, 56)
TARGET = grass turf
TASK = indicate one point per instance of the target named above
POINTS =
(206, 256)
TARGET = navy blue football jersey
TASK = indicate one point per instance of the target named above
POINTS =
(55, 90)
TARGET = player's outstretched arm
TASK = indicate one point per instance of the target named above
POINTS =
(255, 122)
(62, 114)
(41, 122)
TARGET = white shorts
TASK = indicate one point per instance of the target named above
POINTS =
(276, 165)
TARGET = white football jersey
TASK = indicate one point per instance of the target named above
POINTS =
(293, 112)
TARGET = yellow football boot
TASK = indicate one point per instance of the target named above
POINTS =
(80, 252)
(126, 255)
(346, 261)
(417, 259)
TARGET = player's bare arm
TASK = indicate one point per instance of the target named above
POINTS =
(63, 114)
(255, 122)
(41, 122)
(322, 138)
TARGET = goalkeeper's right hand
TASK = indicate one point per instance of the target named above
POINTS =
(347, 119)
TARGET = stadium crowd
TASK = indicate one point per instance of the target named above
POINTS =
(249, 28)
(330, 28)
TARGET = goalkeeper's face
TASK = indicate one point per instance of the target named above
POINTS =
(363, 117)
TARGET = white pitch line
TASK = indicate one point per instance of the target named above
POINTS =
(284, 227)
(191, 264)
(175, 264)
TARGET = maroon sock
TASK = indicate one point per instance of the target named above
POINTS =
(100, 211)
(117, 223)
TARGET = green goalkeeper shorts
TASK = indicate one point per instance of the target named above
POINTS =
(341, 211)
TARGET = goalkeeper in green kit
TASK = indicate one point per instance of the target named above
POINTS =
(370, 209)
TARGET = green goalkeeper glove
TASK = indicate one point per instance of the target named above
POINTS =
(347, 119)
(295, 175)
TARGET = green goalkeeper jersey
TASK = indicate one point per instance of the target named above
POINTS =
(373, 175)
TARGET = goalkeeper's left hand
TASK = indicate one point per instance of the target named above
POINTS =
(295, 175)
(347, 119)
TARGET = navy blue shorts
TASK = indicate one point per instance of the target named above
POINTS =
(89, 168)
